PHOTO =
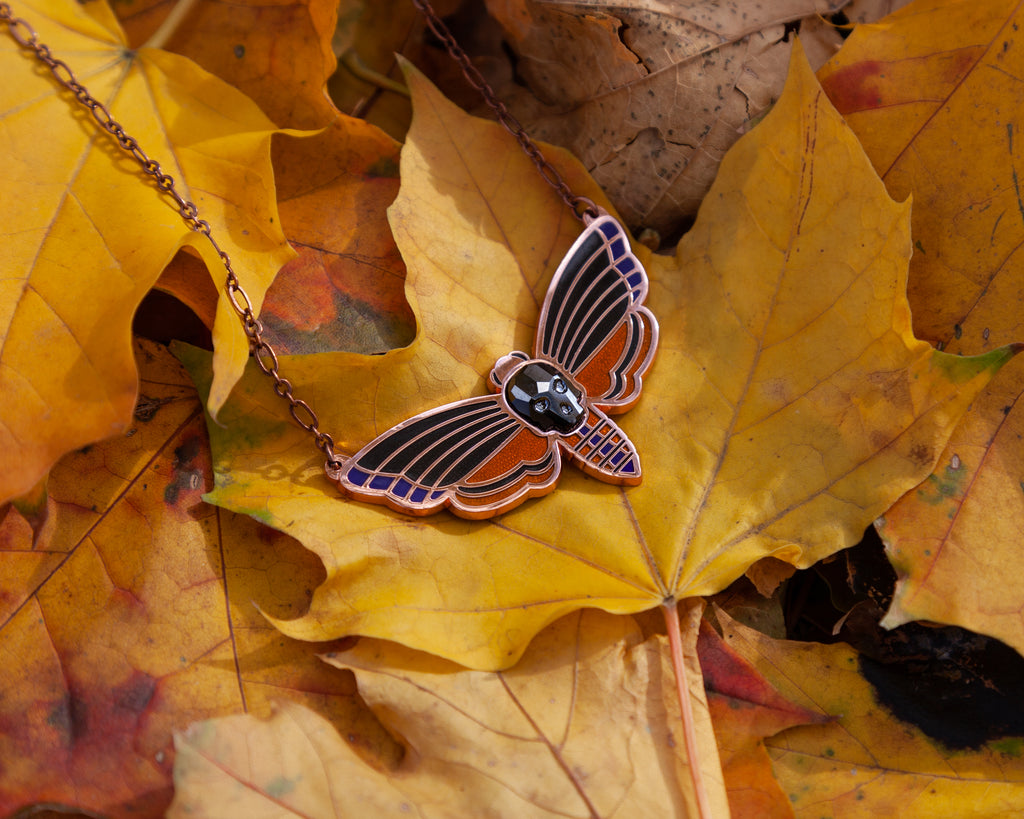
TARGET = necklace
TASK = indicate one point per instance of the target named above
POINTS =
(479, 456)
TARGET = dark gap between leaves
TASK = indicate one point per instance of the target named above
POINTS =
(960, 688)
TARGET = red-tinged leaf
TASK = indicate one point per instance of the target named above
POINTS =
(131, 613)
(745, 709)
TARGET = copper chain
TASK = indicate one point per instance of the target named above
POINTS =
(259, 347)
(579, 205)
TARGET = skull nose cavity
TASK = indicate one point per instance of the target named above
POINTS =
(540, 405)
(565, 407)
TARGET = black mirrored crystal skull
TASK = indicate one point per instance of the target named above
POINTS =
(543, 397)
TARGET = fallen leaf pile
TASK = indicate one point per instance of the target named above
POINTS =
(195, 621)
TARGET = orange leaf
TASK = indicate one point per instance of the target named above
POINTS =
(367, 40)
(866, 763)
(254, 46)
(932, 91)
(346, 289)
(85, 234)
(582, 727)
(131, 615)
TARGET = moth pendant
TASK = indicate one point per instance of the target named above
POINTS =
(483, 456)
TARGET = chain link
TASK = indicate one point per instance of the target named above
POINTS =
(259, 347)
(580, 205)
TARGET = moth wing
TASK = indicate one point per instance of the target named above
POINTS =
(473, 455)
(593, 323)
(601, 449)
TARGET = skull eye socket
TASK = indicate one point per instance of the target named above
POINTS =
(558, 384)
(539, 404)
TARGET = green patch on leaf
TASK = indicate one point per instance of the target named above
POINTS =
(280, 786)
(962, 368)
(947, 483)
(385, 167)
(1011, 746)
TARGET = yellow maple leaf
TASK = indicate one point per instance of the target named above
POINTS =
(928, 90)
(789, 405)
(85, 234)
(583, 727)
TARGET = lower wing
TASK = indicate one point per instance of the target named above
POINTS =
(473, 455)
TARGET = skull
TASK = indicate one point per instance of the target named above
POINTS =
(543, 397)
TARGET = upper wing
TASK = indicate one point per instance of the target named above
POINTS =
(474, 455)
(593, 323)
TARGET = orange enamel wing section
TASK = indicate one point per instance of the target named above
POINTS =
(612, 377)
(526, 467)
(593, 324)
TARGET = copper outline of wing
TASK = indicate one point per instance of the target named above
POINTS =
(474, 455)
(593, 314)
(601, 449)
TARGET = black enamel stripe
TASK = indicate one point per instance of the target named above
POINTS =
(594, 298)
(572, 307)
(614, 307)
(439, 457)
(395, 451)
(467, 454)
(561, 297)
(605, 298)
(586, 289)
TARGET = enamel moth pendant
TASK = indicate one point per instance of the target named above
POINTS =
(483, 456)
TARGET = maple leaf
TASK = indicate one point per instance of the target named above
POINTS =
(130, 615)
(345, 290)
(86, 236)
(790, 404)
(581, 727)
(927, 90)
(866, 763)
(340, 260)
(649, 95)
(245, 43)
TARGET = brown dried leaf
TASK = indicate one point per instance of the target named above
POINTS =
(649, 95)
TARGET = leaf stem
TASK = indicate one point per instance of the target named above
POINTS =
(170, 24)
(675, 642)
